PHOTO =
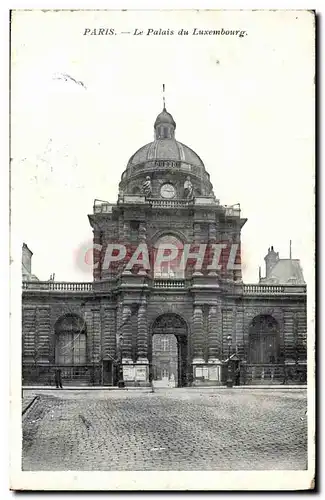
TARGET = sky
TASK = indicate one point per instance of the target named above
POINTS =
(245, 105)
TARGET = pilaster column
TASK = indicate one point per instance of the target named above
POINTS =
(109, 333)
(212, 233)
(127, 242)
(126, 231)
(212, 241)
(97, 255)
(198, 335)
(96, 335)
(213, 335)
(142, 232)
(126, 334)
(120, 228)
(142, 341)
(28, 333)
(43, 339)
(197, 232)
(239, 328)
(237, 272)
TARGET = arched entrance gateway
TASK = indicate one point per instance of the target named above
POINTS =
(71, 349)
(168, 353)
(71, 341)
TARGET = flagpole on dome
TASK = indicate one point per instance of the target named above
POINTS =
(164, 100)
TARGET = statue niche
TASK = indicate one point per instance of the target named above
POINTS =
(188, 188)
(146, 186)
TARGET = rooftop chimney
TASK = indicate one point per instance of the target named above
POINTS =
(270, 260)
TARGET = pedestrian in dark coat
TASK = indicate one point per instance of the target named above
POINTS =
(151, 381)
(58, 378)
(237, 376)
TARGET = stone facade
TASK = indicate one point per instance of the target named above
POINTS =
(165, 194)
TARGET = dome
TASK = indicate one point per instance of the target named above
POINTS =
(162, 157)
(165, 146)
(165, 149)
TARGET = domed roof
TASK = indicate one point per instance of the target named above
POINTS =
(161, 157)
(166, 149)
(165, 146)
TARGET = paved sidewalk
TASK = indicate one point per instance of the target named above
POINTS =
(171, 429)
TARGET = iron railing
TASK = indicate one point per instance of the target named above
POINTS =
(255, 374)
(34, 374)
(101, 206)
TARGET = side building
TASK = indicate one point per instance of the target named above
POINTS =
(167, 320)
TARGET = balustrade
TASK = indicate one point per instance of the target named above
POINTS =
(102, 207)
(233, 210)
(260, 289)
(157, 203)
(60, 286)
(169, 284)
(70, 286)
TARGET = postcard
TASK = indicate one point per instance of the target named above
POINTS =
(162, 249)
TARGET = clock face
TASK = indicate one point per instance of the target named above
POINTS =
(167, 191)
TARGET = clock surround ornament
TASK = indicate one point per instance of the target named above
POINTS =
(168, 191)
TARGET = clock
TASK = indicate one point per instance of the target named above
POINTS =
(167, 191)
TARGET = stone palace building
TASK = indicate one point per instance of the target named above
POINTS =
(179, 326)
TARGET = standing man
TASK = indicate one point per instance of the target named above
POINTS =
(151, 382)
(285, 375)
(272, 361)
(58, 378)
(237, 375)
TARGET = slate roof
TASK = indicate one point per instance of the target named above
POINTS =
(166, 149)
(285, 272)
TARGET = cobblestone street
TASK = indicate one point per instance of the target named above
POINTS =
(171, 429)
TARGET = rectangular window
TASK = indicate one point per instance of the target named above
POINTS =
(164, 344)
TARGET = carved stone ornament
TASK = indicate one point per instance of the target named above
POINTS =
(169, 321)
(147, 189)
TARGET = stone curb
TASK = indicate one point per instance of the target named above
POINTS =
(29, 405)
(81, 388)
(147, 389)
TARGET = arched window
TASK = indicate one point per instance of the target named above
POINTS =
(169, 268)
(263, 340)
(71, 340)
